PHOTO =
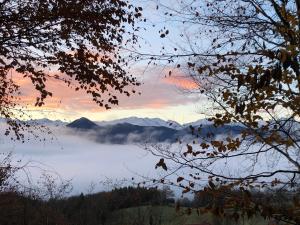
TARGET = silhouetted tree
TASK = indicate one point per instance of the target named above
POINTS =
(249, 71)
(74, 42)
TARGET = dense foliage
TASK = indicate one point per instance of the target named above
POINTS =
(70, 41)
(80, 210)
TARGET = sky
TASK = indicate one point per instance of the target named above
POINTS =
(168, 98)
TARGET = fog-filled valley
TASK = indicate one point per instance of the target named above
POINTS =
(119, 153)
(78, 158)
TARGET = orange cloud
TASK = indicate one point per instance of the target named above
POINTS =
(156, 104)
(182, 82)
(179, 79)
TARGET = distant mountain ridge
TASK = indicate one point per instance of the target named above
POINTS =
(140, 130)
(122, 131)
(44, 121)
(154, 122)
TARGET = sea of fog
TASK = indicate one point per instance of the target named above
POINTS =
(74, 157)
(90, 166)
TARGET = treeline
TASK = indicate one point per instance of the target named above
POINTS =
(92, 209)
(98, 208)
(127, 205)
(16, 209)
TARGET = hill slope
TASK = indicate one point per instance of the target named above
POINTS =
(83, 123)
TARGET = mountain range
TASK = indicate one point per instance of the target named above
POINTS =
(145, 122)
(154, 122)
(139, 130)
(154, 130)
(142, 130)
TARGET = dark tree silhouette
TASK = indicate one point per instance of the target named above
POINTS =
(249, 70)
(75, 42)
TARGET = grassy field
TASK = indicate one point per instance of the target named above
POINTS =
(167, 215)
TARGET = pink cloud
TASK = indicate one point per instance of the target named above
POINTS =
(156, 92)
(182, 82)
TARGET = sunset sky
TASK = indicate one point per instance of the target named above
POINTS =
(169, 98)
